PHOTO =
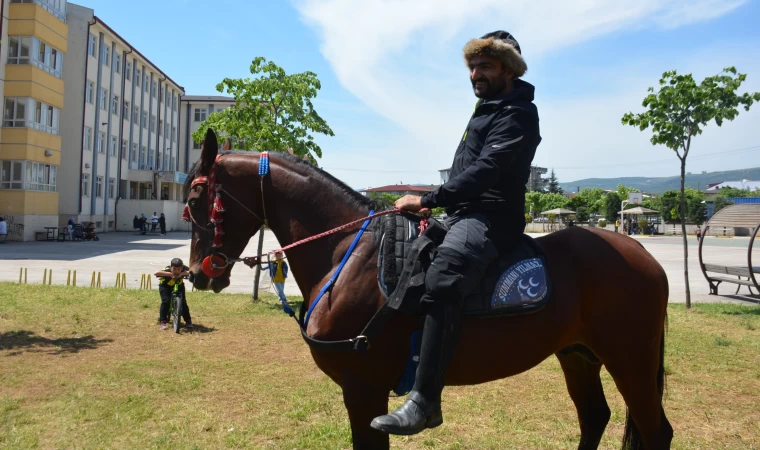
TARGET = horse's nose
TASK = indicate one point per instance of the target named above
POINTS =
(191, 278)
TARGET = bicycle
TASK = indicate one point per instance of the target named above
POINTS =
(175, 306)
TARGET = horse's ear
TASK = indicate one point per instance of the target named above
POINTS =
(209, 151)
(227, 145)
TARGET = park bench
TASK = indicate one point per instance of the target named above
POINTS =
(732, 217)
(738, 272)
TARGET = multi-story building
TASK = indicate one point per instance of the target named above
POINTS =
(106, 147)
(194, 110)
(121, 129)
(34, 35)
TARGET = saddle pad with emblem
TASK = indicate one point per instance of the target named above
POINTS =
(516, 283)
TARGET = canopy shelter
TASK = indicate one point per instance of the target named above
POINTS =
(639, 211)
(558, 212)
(746, 216)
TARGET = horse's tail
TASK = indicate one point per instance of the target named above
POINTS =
(631, 436)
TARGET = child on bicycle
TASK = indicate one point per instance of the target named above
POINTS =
(173, 274)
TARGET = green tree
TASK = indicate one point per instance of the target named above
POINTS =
(551, 201)
(611, 207)
(533, 202)
(736, 192)
(383, 199)
(696, 210)
(593, 199)
(554, 187)
(273, 111)
(679, 110)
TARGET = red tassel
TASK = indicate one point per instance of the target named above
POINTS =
(218, 232)
(186, 214)
(217, 215)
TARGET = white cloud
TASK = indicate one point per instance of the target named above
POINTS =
(401, 59)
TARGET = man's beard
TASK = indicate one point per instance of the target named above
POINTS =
(492, 89)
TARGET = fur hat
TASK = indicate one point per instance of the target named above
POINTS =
(500, 45)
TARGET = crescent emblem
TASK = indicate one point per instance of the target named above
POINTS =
(530, 294)
(530, 282)
(520, 285)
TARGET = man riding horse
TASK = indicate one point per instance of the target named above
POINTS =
(484, 199)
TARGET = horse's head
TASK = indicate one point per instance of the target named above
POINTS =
(222, 221)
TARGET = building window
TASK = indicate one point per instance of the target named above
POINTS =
(143, 157)
(86, 184)
(137, 77)
(27, 112)
(15, 112)
(19, 49)
(89, 92)
(92, 45)
(174, 134)
(103, 100)
(196, 145)
(117, 63)
(115, 105)
(99, 187)
(29, 175)
(134, 152)
(153, 124)
(111, 187)
(99, 142)
(124, 149)
(112, 146)
(153, 88)
(87, 138)
(128, 70)
(144, 121)
(135, 114)
(126, 111)
(12, 175)
(145, 82)
(106, 54)
(174, 102)
(200, 114)
(160, 127)
(151, 158)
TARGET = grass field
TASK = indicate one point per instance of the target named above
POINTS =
(89, 368)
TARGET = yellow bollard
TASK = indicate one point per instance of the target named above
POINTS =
(26, 272)
(44, 277)
(50, 277)
(20, 272)
(75, 278)
(142, 280)
(124, 280)
(68, 278)
(150, 281)
(98, 279)
(92, 283)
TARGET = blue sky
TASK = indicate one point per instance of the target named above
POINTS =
(395, 90)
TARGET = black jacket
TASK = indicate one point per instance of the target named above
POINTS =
(492, 163)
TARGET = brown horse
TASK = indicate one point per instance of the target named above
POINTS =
(608, 305)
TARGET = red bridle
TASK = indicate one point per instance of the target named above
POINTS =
(214, 201)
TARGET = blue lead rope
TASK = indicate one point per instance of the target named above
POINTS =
(332, 279)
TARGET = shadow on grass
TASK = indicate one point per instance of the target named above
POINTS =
(24, 340)
(199, 329)
(277, 306)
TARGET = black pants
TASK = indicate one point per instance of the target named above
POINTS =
(166, 297)
(471, 244)
(163, 227)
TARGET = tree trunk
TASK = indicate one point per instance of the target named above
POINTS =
(258, 266)
(683, 233)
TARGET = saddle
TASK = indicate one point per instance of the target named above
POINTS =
(516, 283)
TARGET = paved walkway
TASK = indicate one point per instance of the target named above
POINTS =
(136, 254)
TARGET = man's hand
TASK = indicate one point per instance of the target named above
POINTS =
(411, 203)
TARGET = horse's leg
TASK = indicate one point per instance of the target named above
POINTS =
(364, 403)
(585, 388)
(639, 374)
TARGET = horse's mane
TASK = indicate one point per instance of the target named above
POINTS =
(351, 195)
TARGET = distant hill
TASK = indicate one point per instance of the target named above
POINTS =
(659, 185)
